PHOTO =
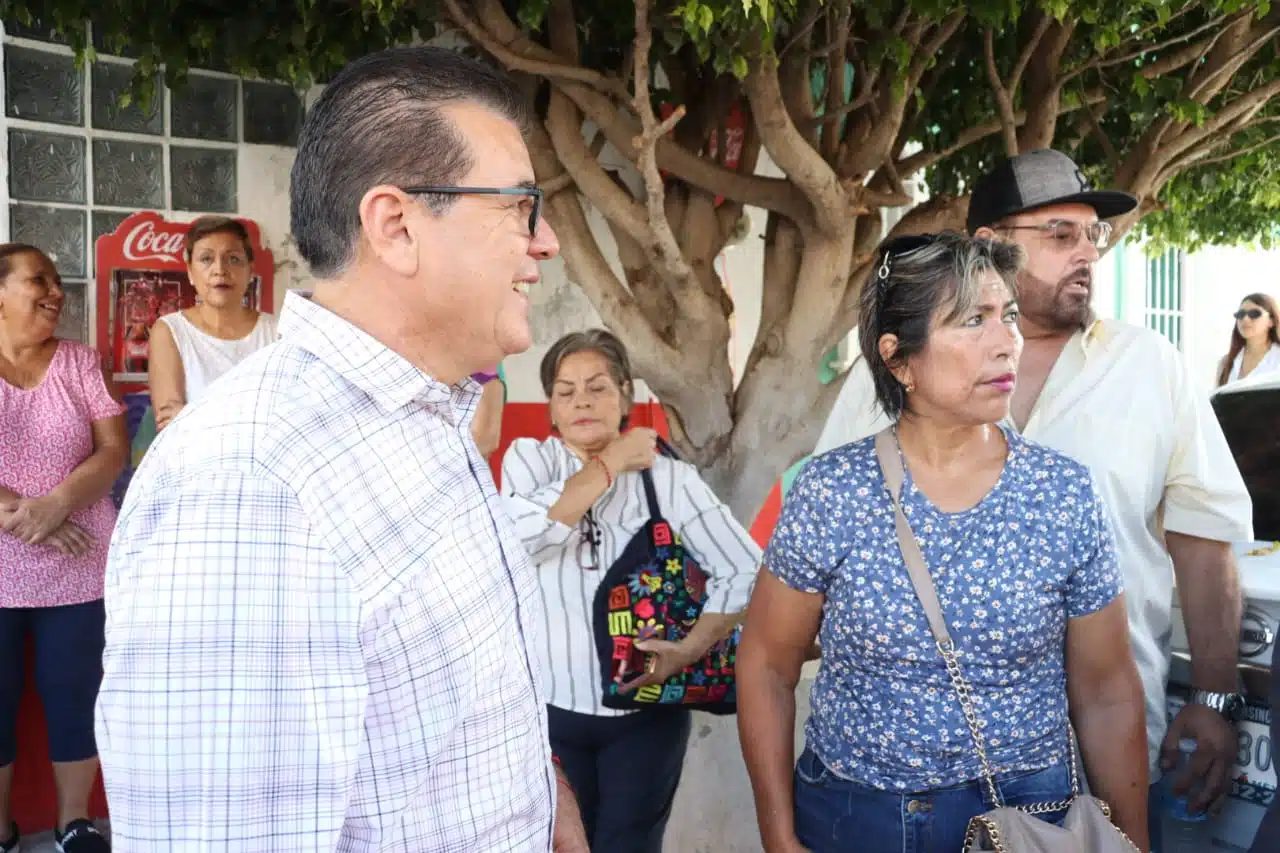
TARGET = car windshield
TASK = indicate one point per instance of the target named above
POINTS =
(1249, 417)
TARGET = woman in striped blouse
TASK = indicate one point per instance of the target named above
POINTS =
(577, 500)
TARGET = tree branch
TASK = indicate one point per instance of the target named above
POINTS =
(788, 148)
(1244, 105)
(588, 267)
(515, 61)
(1008, 124)
(1231, 155)
(564, 126)
(497, 29)
(769, 193)
(1187, 55)
(1113, 157)
(1042, 26)
(925, 159)
(1139, 38)
(664, 249)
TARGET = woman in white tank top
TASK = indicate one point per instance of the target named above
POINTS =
(192, 348)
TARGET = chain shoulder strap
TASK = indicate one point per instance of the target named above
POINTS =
(889, 454)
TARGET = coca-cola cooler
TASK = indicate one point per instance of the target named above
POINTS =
(141, 276)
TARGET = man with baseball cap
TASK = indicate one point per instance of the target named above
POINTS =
(1119, 398)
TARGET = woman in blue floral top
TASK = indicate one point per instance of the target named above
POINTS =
(1016, 541)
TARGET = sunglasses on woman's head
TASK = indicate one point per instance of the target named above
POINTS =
(1252, 313)
(899, 247)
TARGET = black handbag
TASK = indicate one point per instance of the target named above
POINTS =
(656, 591)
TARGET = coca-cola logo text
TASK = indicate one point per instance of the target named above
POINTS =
(144, 242)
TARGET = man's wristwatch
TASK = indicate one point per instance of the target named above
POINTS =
(1229, 705)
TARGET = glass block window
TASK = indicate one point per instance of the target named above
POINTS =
(80, 162)
(272, 113)
(129, 174)
(1165, 310)
(109, 81)
(206, 108)
(203, 179)
(43, 86)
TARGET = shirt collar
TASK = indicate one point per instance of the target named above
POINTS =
(1092, 336)
(387, 377)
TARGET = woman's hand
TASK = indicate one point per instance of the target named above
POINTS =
(33, 520)
(70, 539)
(634, 450)
(663, 660)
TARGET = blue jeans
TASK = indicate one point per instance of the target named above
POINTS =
(834, 815)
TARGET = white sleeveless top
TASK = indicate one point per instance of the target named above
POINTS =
(205, 358)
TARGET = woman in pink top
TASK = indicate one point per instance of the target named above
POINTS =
(62, 444)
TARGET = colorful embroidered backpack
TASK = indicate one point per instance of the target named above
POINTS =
(656, 591)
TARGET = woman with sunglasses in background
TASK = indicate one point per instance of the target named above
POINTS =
(577, 500)
(1255, 342)
(1014, 538)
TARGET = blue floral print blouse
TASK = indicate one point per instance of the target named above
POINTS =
(1010, 572)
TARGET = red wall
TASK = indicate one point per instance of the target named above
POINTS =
(34, 803)
(530, 420)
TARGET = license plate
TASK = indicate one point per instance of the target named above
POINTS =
(1253, 778)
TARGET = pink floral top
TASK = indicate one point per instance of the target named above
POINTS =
(45, 433)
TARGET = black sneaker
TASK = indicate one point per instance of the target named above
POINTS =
(81, 836)
(12, 845)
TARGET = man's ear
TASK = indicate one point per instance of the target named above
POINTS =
(385, 212)
(986, 233)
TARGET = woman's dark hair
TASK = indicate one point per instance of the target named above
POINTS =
(207, 226)
(912, 281)
(1266, 303)
(9, 251)
(599, 341)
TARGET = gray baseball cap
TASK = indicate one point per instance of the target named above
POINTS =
(1038, 179)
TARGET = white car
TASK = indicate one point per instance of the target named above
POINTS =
(1249, 412)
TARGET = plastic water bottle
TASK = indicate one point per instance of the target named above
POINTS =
(1184, 832)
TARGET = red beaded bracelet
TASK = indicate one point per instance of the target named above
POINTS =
(608, 475)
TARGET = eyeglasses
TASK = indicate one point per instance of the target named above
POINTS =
(534, 193)
(1066, 233)
(588, 551)
(1252, 313)
(900, 247)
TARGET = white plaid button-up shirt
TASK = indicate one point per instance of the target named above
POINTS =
(318, 620)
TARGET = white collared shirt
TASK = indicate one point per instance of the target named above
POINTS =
(318, 620)
(1120, 399)
(533, 478)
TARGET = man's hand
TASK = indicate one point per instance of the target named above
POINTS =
(569, 835)
(1210, 765)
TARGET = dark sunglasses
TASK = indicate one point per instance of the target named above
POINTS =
(534, 193)
(588, 550)
(1252, 313)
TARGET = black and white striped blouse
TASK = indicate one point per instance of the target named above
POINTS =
(533, 477)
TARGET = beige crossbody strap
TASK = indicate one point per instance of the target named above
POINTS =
(894, 476)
